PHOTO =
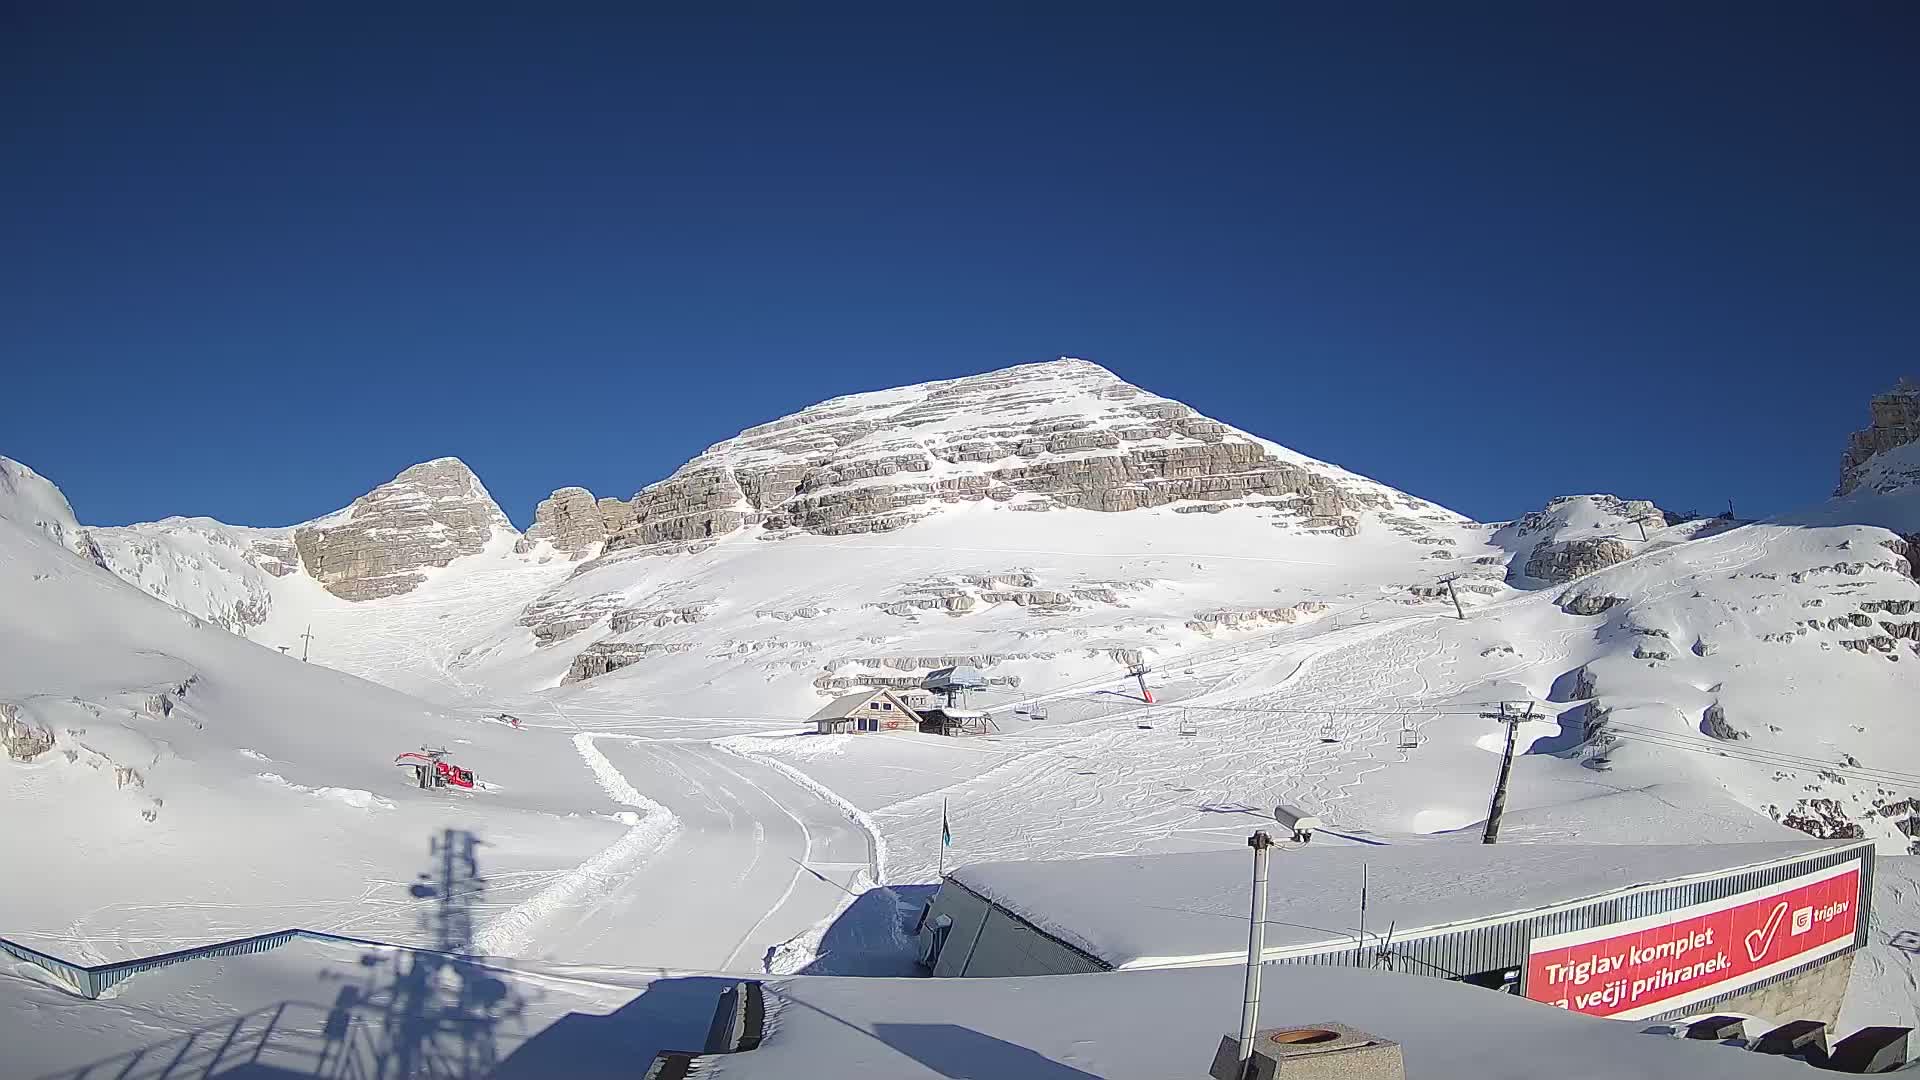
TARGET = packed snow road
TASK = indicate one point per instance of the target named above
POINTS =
(756, 860)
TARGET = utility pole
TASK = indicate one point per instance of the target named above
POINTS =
(1256, 950)
(1455, 597)
(1499, 806)
(306, 642)
(1363, 916)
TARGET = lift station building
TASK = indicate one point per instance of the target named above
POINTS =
(1630, 932)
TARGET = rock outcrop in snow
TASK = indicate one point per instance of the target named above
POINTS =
(1576, 535)
(21, 740)
(1064, 434)
(1895, 422)
(571, 520)
(428, 516)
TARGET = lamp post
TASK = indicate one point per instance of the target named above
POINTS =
(1260, 842)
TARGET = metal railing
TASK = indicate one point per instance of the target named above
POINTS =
(288, 1034)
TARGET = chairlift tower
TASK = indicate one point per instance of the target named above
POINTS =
(1140, 672)
(1498, 806)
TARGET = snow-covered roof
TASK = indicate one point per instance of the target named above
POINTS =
(556, 1020)
(1151, 1025)
(847, 704)
(1191, 908)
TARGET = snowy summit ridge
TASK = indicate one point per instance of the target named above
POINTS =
(1063, 434)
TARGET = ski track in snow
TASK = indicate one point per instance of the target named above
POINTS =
(1052, 797)
(877, 859)
(1037, 800)
(510, 933)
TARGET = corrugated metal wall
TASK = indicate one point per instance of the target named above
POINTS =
(90, 982)
(73, 976)
(1450, 954)
(986, 940)
(110, 974)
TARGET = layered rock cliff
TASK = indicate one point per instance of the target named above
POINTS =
(1894, 422)
(1064, 434)
(570, 520)
(428, 516)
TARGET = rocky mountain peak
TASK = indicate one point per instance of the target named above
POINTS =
(1894, 421)
(1065, 434)
(429, 515)
(571, 521)
(1575, 535)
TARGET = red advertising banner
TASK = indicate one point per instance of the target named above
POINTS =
(1661, 962)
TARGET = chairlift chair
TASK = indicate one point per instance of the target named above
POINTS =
(1409, 738)
(1328, 732)
(1188, 729)
(1145, 723)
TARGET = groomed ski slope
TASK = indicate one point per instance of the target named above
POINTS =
(209, 788)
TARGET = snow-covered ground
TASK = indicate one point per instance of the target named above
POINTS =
(1886, 974)
(186, 779)
(182, 784)
(1146, 1025)
(339, 1011)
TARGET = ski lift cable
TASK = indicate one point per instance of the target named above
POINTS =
(1456, 708)
(1772, 763)
(1194, 657)
(1751, 752)
(1757, 756)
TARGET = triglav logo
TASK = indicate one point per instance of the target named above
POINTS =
(1802, 920)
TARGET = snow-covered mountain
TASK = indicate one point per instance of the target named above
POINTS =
(387, 543)
(1053, 525)
(902, 529)
(182, 780)
(166, 781)
(31, 501)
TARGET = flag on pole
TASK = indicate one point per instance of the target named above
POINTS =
(946, 839)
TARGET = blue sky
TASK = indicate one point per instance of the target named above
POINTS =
(260, 258)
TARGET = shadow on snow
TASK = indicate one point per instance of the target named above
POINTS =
(403, 1014)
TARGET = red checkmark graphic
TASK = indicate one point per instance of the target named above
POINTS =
(1759, 941)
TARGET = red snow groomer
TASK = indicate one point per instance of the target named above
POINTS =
(431, 771)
